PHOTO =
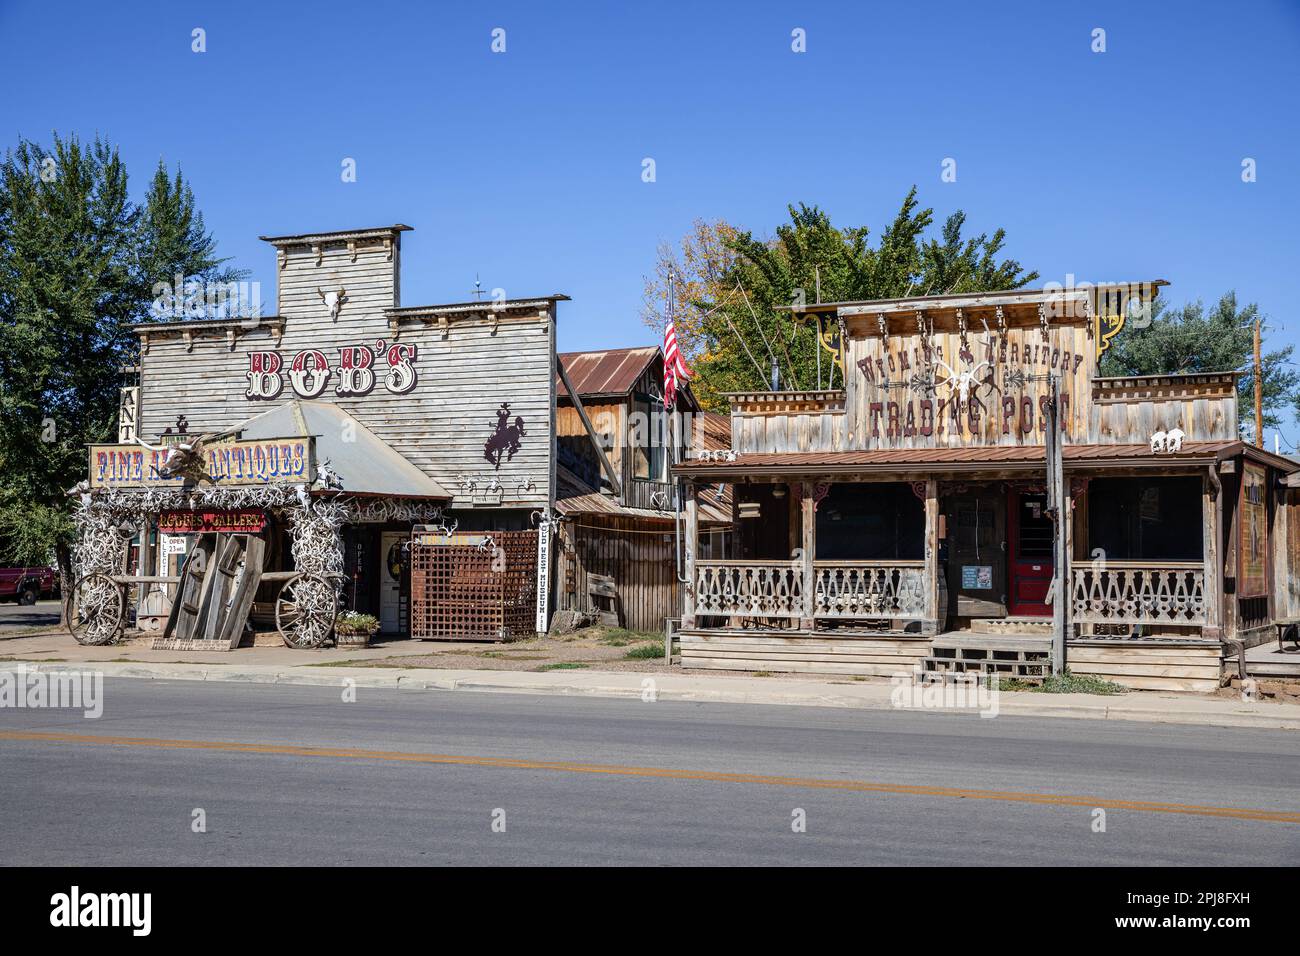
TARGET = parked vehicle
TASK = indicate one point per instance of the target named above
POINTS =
(27, 585)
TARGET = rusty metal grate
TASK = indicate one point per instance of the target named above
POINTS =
(461, 592)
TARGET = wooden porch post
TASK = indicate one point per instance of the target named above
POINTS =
(808, 549)
(930, 626)
(692, 547)
(1211, 492)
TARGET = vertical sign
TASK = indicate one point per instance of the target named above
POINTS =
(543, 572)
(128, 410)
(1252, 546)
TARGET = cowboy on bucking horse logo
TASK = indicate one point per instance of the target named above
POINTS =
(505, 438)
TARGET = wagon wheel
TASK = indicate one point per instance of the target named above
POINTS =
(96, 609)
(305, 610)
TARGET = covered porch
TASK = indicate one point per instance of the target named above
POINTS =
(869, 567)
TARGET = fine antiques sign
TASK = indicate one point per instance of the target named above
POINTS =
(358, 370)
(259, 462)
(248, 521)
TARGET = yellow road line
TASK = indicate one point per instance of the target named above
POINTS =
(855, 786)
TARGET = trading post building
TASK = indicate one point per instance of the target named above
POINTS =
(910, 519)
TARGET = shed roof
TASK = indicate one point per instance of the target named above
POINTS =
(972, 459)
(607, 372)
(366, 463)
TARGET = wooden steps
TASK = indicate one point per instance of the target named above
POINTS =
(1026, 656)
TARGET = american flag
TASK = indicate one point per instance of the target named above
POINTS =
(674, 367)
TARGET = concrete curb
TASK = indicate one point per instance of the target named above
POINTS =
(1219, 712)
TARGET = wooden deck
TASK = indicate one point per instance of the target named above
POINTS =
(861, 653)
(1193, 665)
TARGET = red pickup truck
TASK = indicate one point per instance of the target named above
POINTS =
(27, 585)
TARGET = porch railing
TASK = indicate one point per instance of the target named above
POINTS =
(1139, 592)
(879, 589)
(840, 589)
(749, 588)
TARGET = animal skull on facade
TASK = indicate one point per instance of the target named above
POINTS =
(1174, 440)
(1159, 442)
(333, 301)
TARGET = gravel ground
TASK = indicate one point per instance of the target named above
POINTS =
(599, 648)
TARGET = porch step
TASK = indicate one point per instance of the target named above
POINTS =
(1010, 656)
(1011, 625)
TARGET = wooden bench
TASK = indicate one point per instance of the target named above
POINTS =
(1288, 623)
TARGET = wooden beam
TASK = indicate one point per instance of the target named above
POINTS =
(591, 432)
(692, 548)
(808, 551)
(931, 625)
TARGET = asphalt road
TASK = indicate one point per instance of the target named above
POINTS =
(416, 777)
(14, 615)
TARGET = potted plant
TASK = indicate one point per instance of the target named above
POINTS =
(354, 630)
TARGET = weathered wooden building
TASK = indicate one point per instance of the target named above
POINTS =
(392, 416)
(903, 521)
(618, 546)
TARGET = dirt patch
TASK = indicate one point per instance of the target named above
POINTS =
(596, 648)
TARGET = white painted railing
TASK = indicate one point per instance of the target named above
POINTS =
(1139, 592)
(749, 588)
(840, 589)
(879, 589)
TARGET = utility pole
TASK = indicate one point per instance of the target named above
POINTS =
(1058, 506)
(1259, 392)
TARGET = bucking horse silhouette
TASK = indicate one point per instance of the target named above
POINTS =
(505, 439)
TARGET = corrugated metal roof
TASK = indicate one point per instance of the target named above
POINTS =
(610, 372)
(715, 431)
(575, 497)
(366, 463)
(972, 457)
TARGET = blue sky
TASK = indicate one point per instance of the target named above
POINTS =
(525, 167)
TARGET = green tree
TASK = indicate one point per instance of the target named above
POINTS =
(78, 261)
(1191, 339)
(732, 311)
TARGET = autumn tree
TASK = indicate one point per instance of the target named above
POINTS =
(733, 291)
(1193, 339)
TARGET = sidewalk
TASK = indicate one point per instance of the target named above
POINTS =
(285, 666)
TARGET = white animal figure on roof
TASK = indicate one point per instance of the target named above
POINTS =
(1159, 441)
(1174, 441)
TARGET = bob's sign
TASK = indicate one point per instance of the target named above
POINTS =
(310, 371)
(262, 462)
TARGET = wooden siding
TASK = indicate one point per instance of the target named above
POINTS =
(1194, 668)
(441, 425)
(858, 654)
(636, 553)
(371, 281)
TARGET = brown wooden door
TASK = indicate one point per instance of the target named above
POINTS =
(977, 565)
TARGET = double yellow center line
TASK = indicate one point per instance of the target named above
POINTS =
(662, 773)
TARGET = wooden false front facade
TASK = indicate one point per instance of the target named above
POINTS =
(904, 521)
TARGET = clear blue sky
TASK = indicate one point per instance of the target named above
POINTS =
(526, 166)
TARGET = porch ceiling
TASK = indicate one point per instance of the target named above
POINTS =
(969, 459)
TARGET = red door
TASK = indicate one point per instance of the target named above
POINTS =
(1029, 547)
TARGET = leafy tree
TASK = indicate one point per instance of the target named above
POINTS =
(1191, 339)
(733, 290)
(78, 261)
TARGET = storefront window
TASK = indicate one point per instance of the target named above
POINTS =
(1146, 519)
(870, 522)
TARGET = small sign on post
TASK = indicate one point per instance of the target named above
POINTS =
(543, 572)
